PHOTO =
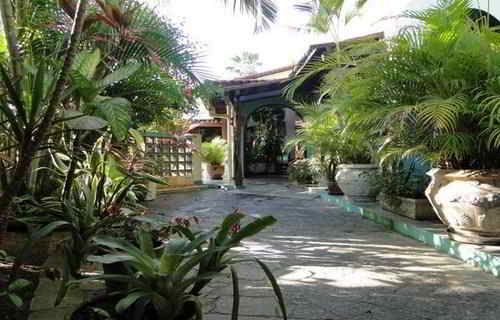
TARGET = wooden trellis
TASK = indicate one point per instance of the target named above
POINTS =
(171, 156)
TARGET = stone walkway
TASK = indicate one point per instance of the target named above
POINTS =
(333, 265)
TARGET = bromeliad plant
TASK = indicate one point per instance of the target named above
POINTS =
(169, 279)
(97, 193)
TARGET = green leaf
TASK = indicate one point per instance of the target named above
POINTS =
(110, 258)
(116, 112)
(228, 222)
(251, 229)
(276, 287)
(146, 242)
(79, 121)
(236, 294)
(118, 75)
(19, 284)
(126, 302)
(47, 230)
(16, 300)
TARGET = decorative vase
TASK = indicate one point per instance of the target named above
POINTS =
(468, 201)
(355, 181)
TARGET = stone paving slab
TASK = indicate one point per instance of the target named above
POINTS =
(431, 233)
(332, 264)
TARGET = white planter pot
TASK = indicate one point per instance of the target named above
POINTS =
(355, 180)
(468, 202)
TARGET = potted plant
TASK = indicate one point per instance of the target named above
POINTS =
(435, 95)
(169, 279)
(304, 171)
(402, 191)
(213, 153)
(320, 132)
(355, 173)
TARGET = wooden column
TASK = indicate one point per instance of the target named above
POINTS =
(238, 165)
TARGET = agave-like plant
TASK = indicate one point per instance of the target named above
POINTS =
(169, 279)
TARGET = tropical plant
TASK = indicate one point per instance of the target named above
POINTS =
(87, 98)
(305, 171)
(29, 106)
(244, 64)
(401, 179)
(168, 280)
(330, 15)
(213, 151)
(321, 133)
(96, 193)
(264, 11)
(434, 94)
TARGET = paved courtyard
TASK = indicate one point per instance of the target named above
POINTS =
(333, 265)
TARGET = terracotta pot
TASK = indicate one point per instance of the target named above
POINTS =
(468, 202)
(215, 171)
(334, 189)
(355, 181)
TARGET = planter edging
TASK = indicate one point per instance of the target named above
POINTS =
(427, 232)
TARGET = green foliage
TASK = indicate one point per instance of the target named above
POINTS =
(304, 171)
(13, 292)
(399, 180)
(169, 278)
(96, 194)
(213, 151)
(329, 14)
(332, 143)
(245, 64)
(433, 93)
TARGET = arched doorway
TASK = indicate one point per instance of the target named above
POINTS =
(266, 131)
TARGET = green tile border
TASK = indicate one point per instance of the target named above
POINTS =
(428, 234)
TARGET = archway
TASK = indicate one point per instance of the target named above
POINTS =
(265, 133)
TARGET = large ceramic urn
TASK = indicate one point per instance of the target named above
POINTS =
(356, 181)
(468, 202)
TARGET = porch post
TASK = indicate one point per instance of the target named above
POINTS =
(238, 144)
(229, 154)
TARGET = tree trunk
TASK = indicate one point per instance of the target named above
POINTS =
(9, 26)
(34, 138)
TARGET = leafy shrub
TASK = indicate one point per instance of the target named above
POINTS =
(169, 279)
(304, 171)
(401, 181)
(213, 151)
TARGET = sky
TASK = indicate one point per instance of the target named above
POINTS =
(226, 34)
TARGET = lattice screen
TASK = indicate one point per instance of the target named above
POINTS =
(171, 156)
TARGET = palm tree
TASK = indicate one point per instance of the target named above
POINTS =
(29, 127)
(264, 11)
(330, 15)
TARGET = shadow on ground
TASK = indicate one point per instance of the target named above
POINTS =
(332, 264)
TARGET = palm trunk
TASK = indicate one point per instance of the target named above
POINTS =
(33, 138)
(9, 26)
